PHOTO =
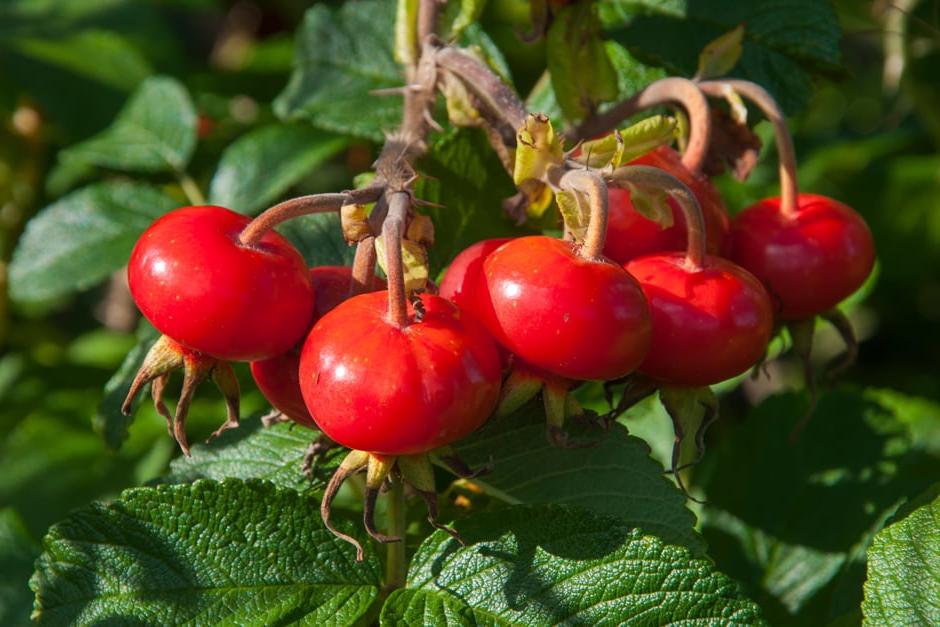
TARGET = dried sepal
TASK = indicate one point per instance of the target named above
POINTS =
(166, 356)
(692, 411)
(355, 461)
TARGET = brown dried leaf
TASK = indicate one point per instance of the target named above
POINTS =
(733, 145)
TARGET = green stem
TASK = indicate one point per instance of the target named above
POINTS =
(396, 564)
(191, 189)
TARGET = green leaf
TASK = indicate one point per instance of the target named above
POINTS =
(319, 238)
(261, 165)
(467, 178)
(18, 551)
(342, 55)
(461, 15)
(851, 468)
(154, 132)
(101, 56)
(558, 565)
(903, 585)
(254, 452)
(721, 55)
(109, 420)
(632, 76)
(80, 239)
(582, 73)
(785, 44)
(615, 477)
(232, 552)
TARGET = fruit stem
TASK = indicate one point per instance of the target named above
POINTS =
(591, 184)
(789, 189)
(304, 205)
(396, 563)
(664, 91)
(392, 231)
(363, 268)
(498, 97)
(654, 178)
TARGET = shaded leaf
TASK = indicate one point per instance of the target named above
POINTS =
(109, 420)
(235, 552)
(614, 477)
(18, 551)
(467, 178)
(261, 165)
(851, 468)
(583, 75)
(558, 565)
(784, 43)
(343, 54)
(903, 584)
(319, 238)
(80, 239)
(252, 451)
(154, 132)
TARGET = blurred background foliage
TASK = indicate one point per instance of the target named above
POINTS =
(868, 135)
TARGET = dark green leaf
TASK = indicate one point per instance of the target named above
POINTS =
(319, 238)
(791, 523)
(615, 477)
(18, 551)
(555, 565)
(100, 56)
(784, 43)
(632, 76)
(342, 55)
(109, 420)
(467, 178)
(261, 165)
(903, 585)
(154, 132)
(232, 552)
(254, 452)
(582, 73)
(83, 237)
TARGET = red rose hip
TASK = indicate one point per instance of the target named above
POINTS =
(710, 323)
(198, 284)
(809, 260)
(278, 377)
(373, 386)
(574, 317)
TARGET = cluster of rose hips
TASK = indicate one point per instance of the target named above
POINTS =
(681, 306)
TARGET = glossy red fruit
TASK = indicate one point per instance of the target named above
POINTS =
(331, 285)
(374, 387)
(278, 378)
(462, 283)
(193, 279)
(631, 235)
(808, 262)
(573, 317)
(709, 324)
